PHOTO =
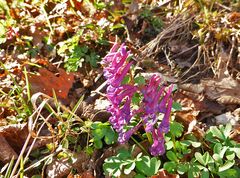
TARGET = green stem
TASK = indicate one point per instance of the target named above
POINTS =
(149, 138)
(140, 146)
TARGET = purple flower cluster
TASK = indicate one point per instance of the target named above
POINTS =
(155, 100)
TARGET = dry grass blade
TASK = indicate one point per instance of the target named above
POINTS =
(32, 125)
(177, 29)
(43, 101)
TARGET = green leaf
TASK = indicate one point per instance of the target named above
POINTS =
(65, 143)
(182, 168)
(36, 176)
(140, 80)
(196, 144)
(169, 145)
(98, 133)
(97, 143)
(227, 130)
(136, 99)
(203, 159)
(222, 151)
(179, 146)
(217, 158)
(179, 155)
(230, 155)
(126, 79)
(176, 106)
(237, 151)
(3, 38)
(148, 166)
(186, 143)
(176, 129)
(170, 166)
(128, 168)
(172, 156)
(117, 26)
(110, 136)
(92, 59)
(112, 169)
(227, 165)
(217, 148)
(205, 173)
(193, 172)
(206, 157)
(123, 154)
(233, 173)
(217, 133)
(84, 49)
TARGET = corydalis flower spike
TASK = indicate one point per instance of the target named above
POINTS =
(115, 69)
(155, 100)
(152, 94)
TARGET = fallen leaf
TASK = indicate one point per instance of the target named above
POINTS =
(225, 90)
(86, 174)
(234, 17)
(164, 174)
(58, 168)
(15, 134)
(226, 118)
(47, 81)
(7, 153)
(62, 167)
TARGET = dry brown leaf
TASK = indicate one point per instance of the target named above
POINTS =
(86, 174)
(195, 106)
(191, 107)
(46, 82)
(61, 168)
(7, 153)
(225, 90)
(58, 168)
(226, 118)
(164, 174)
(234, 17)
(15, 135)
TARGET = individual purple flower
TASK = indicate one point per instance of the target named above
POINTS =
(125, 136)
(120, 116)
(116, 66)
(157, 148)
(165, 124)
(116, 95)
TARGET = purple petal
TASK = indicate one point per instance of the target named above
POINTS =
(157, 147)
(165, 124)
(124, 136)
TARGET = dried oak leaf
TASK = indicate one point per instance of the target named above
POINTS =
(47, 81)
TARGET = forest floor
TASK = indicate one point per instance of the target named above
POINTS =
(53, 104)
